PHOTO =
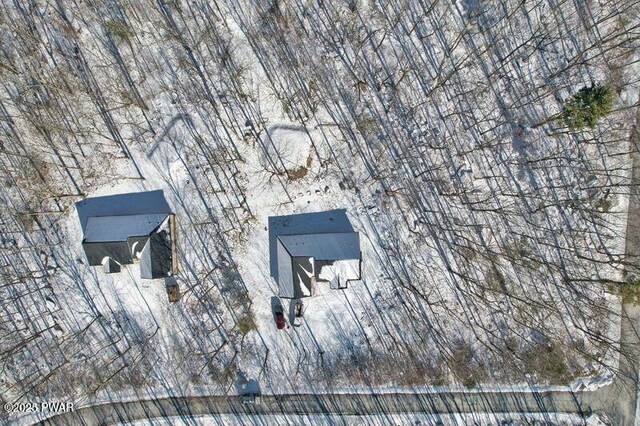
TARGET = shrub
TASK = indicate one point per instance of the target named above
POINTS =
(246, 322)
(301, 171)
(548, 362)
(465, 365)
(118, 29)
(587, 106)
(630, 291)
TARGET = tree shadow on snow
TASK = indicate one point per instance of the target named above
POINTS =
(246, 386)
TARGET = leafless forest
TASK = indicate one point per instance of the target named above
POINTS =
(495, 233)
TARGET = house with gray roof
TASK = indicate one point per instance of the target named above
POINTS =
(125, 228)
(312, 248)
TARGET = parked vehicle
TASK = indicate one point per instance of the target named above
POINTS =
(279, 314)
(251, 398)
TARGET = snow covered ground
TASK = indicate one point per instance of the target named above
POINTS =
(479, 419)
(491, 238)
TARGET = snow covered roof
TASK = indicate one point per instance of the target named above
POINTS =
(110, 265)
(339, 272)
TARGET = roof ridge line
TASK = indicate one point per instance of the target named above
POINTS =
(136, 214)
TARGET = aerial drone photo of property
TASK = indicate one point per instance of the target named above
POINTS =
(320, 212)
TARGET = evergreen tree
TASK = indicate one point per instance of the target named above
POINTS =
(587, 106)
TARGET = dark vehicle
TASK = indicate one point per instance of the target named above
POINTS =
(280, 322)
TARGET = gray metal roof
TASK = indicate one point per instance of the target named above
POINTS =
(330, 221)
(114, 223)
(135, 203)
(295, 253)
(285, 276)
(119, 228)
(334, 246)
(295, 239)
(155, 258)
(118, 250)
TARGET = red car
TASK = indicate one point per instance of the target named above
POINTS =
(280, 322)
